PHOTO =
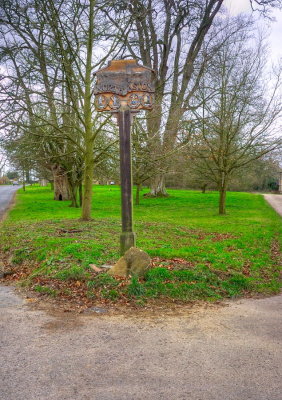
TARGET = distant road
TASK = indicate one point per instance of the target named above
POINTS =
(275, 200)
(6, 195)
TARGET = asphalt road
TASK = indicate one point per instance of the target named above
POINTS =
(6, 195)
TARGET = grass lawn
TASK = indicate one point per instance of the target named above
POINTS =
(196, 253)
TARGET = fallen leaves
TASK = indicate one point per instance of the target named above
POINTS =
(175, 263)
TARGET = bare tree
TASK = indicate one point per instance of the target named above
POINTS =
(48, 50)
(167, 35)
(239, 120)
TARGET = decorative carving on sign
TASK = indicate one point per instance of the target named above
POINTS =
(134, 100)
(124, 84)
(114, 102)
(147, 100)
(101, 102)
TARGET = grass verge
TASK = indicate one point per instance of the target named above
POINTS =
(196, 254)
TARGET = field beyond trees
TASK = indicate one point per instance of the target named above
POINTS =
(196, 254)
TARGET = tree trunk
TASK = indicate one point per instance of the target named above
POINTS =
(43, 182)
(155, 145)
(61, 184)
(137, 198)
(88, 182)
(222, 201)
(73, 192)
(158, 186)
(23, 181)
(27, 175)
(80, 194)
(204, 187)
(89, 138)
(222, 198)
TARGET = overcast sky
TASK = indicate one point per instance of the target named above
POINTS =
(275, 27)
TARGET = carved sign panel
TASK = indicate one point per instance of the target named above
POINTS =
(124, 84)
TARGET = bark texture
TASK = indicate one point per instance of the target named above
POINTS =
(61, 184)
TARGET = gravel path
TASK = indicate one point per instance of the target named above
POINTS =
(221, 353)
(275, 200)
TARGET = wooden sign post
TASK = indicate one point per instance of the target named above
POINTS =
(124, 88)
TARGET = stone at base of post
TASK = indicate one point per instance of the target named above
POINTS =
(127, 240)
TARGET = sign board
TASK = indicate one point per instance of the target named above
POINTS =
(124, 84)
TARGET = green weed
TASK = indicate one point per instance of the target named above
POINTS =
(110, 294)
(46, 290)
(74, 272)
(135, 288)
